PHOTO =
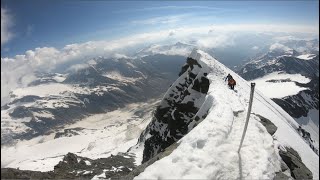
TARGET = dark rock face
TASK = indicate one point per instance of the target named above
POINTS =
(68, 132)
(21, 112)
(281, 176)
(280, 80)
(271, 128)
(76, 167)
(5, 107)
(26, 99)
(190, 63)
(295, 164)
(298, 105)
(307, 137)
(10, 173)
(177, 110)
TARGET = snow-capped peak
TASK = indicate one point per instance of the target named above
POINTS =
(208, 148)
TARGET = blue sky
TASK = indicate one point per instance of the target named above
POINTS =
(48, 23)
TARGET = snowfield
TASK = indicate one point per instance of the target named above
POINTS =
(279, 85)
(43, 90)
(209, 151)
(116, 75)
(101, 136)
(307, 56)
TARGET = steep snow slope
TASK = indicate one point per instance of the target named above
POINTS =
(209, 150)
(291, 81)
(295, 95)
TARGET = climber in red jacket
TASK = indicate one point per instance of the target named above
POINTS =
(231, 81)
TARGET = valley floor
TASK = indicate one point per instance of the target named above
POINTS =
(97, 136)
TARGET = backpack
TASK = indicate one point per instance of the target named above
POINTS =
(232, 82)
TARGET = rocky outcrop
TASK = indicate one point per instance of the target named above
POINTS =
(281, 176)
(68, 132)
(271, 128)
(77, 167)
(290, 159)
(177, 110)
(293, 161)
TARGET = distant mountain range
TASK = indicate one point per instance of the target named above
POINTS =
(99, 86)
(291, 78)
(97, 120)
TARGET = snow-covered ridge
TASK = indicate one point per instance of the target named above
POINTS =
(178, 108)
(209, 150)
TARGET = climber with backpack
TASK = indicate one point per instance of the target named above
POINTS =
(228, 77)
(231, 81)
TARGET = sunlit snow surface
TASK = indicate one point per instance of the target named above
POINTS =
(209, 151)
(103, 135)
(279, 85)
(43, 90)
(307, 56)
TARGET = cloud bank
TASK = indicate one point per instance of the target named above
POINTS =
(19, 70)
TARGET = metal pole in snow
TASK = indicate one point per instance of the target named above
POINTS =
(248, 115)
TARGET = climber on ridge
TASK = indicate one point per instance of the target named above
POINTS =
(231, 81)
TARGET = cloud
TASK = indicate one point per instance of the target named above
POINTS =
(14, 74)
(172, 33)
(13, 69)
(30, 29)
(161, 8)
(255, 48)
(213, 41)
(160, 20)
(290, 37)
(77, 67)
(278, 46)
(183, 8)
(6, 24)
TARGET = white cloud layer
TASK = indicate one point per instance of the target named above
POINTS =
(160, 20)
(48, 58)
(6, 24)
(278, 46)
(255, 48)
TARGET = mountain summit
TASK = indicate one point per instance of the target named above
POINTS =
(200, 121)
